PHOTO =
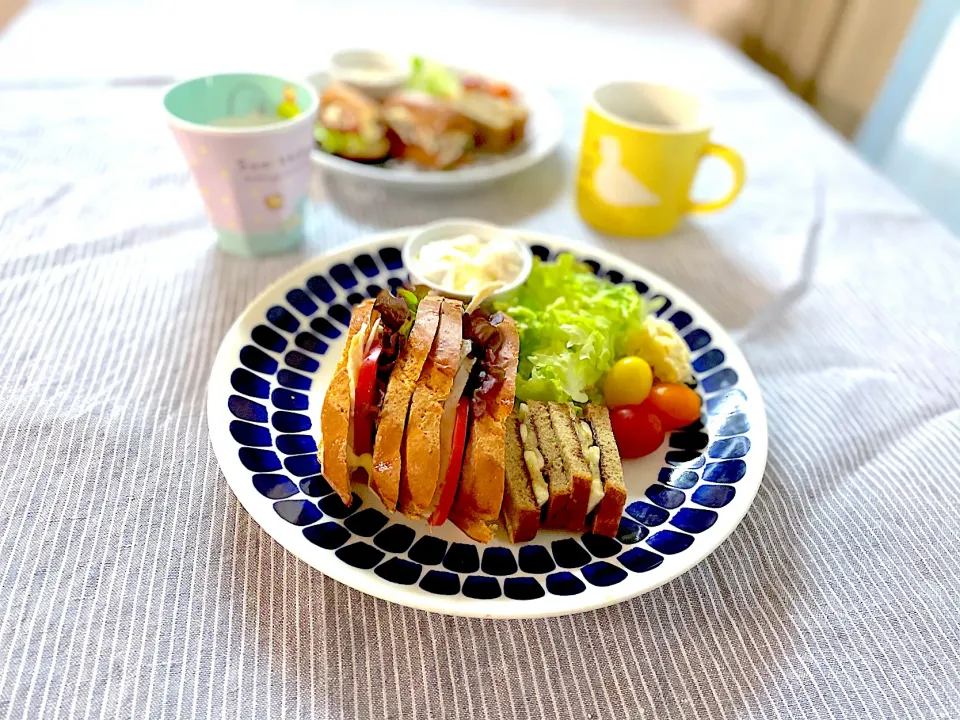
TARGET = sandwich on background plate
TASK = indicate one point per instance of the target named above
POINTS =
(499, 121)
(351, 125)
(428, 129)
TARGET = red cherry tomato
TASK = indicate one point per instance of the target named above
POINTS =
(366, 386)
(638, 430)
(677, 405)
(500, 90)
(452, 479)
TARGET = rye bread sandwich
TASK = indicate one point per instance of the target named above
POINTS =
(562, 469)
(525, 490)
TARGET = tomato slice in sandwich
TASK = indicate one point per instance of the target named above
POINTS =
(363, 415)
(452, 479)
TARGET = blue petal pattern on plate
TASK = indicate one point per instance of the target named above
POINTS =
(400, 571)
(703, 463)
(498, 561)
(257, 360)
(328, 535)
(282, 319)
(274, 486)
(565, 583)
(522, 588)
(479, 587)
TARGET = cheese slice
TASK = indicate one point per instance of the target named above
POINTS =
(483, 293)
(532, 457)
(591, 453)
(355, 354)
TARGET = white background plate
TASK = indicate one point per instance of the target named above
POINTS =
(543, 134)
(737, 403)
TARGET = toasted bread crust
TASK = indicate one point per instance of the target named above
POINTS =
(420, 469)
(335, 414)
(567, 505)
(520, 514)
(572, 511)
(480, 494)
(606, 516)
(385, 481)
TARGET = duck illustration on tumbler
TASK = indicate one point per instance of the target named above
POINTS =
(616, 185)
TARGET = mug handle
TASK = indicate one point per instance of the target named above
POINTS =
(733, 159)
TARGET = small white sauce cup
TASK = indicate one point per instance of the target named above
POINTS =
(375, 73)
(449, 229)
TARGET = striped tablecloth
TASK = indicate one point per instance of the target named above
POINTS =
(132, 585)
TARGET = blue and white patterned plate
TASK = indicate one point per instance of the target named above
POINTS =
(263, 408)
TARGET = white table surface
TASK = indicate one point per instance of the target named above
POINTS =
(132, 585)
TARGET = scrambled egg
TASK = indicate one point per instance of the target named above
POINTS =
(661, 346)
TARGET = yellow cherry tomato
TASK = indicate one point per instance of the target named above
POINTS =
(628, 382)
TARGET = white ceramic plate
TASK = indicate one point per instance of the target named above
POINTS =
(264, 400)
(543, 135)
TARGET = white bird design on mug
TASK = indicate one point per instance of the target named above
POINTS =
(614, 184)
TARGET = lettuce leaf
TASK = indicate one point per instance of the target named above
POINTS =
(433, 78)
(573, 326)
(337, 142)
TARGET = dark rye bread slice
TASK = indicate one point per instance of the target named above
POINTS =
(519, 514)
(565, 469)
(606, 516)
(385, 481)
(335, 414)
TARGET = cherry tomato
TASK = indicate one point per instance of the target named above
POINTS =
(452, 479)
(676, 404)
(366, 385)
(638, 430)
(501, 90)
(628, 382)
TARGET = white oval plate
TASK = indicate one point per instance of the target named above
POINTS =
(263, 408)
(543, 135)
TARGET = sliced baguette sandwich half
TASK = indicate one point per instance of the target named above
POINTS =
(422, 452)
(377, 345)
(337, 458)
(491, 389)
(387, 448)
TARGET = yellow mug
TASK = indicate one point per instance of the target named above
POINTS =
(642, 145)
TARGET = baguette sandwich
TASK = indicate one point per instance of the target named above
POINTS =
(364, 411)
(491, 389)
(418, 406)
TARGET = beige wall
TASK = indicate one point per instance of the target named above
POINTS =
(864, 50)
(9, 8)
(833, 53)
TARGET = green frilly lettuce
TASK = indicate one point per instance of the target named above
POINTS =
(433, 78)
(573, 326)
